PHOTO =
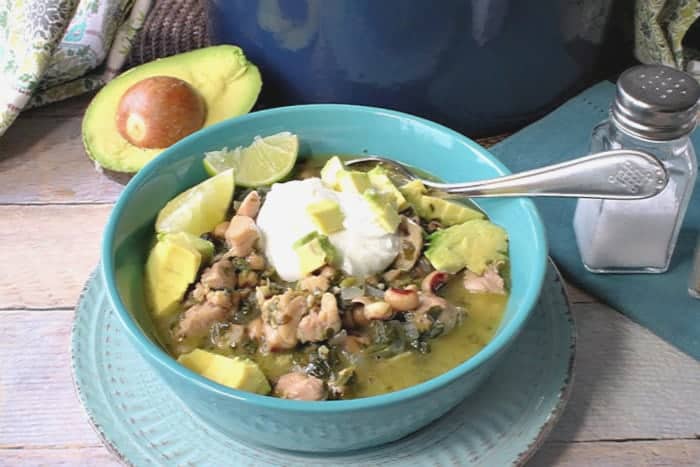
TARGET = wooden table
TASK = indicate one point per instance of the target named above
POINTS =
(636, 399)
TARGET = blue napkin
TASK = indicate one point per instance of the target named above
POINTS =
(659, 302)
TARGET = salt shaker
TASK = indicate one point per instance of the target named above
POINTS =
(654, 110)
(694, 284)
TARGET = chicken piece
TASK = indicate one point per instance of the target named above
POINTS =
(489, 282)
(351, 343)
(300, 386)
(256, 261)
(220, 275)
(281, 315)
(196, 320)
(247, 278)
(223, 298)
(314, 283)
(250, 205)
(241, 235)
(329, 272)
(198, 295)
(220, 230)
(255, 329)
(320, 325)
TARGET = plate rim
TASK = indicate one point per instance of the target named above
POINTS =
(563, 396)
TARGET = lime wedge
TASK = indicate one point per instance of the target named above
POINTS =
(200, 208)
(266, 161)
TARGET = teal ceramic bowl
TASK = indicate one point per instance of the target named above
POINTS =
(330, 425)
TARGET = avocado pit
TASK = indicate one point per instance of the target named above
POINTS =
(159, 111)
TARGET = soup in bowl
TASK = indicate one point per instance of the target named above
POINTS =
(335, 309)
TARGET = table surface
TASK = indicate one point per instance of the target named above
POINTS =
(634, 402)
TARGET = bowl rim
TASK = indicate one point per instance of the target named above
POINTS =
(156, 354)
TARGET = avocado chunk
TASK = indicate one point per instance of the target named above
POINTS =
(222, 76)
(170, 268)
(353, 181)
(432, 208)
(327, 216)
(234, 372)
(473, 244)
(330, 171)
(385, 212)
(314, 251)
(204, 247)
(379, 178)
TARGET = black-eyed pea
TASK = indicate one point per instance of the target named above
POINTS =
(378, 310)
(402, 299)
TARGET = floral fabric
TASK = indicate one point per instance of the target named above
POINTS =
(54, 49)
(660, 26)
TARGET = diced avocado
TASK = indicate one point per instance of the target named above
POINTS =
(204, 247)
(330, 171)
(379, 178)
(170, 268)
(353, 181)
(432, 208)
(385, 212)
(314, 251)
(473, 244)
(235, 372)
(327, 216)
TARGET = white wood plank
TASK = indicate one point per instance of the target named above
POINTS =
(48, 253)
(42, 160)
(96, 456)
(629, 383)
(38, 405)
(676, 453)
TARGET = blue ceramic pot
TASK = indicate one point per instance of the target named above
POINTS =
(323, 129)
(478, 66)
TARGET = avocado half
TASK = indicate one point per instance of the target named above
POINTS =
(225, 79)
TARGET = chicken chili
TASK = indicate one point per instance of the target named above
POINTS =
(336, 284)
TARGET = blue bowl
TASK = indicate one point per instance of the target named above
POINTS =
(323, 129)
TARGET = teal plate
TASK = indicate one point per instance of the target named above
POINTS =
(142, 422)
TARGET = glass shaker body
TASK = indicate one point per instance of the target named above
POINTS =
(694, 284)
(636, 236)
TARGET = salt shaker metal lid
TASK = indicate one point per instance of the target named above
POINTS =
(656, 102)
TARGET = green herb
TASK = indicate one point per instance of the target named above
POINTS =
(240, 264)
(247, 311)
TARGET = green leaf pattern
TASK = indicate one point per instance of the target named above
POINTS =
(660, 26)
(54, 49)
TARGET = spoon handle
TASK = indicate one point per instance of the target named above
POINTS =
(618, 174)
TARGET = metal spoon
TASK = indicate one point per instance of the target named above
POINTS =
(618, 174)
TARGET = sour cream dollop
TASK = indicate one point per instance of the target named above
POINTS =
(364, 247)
